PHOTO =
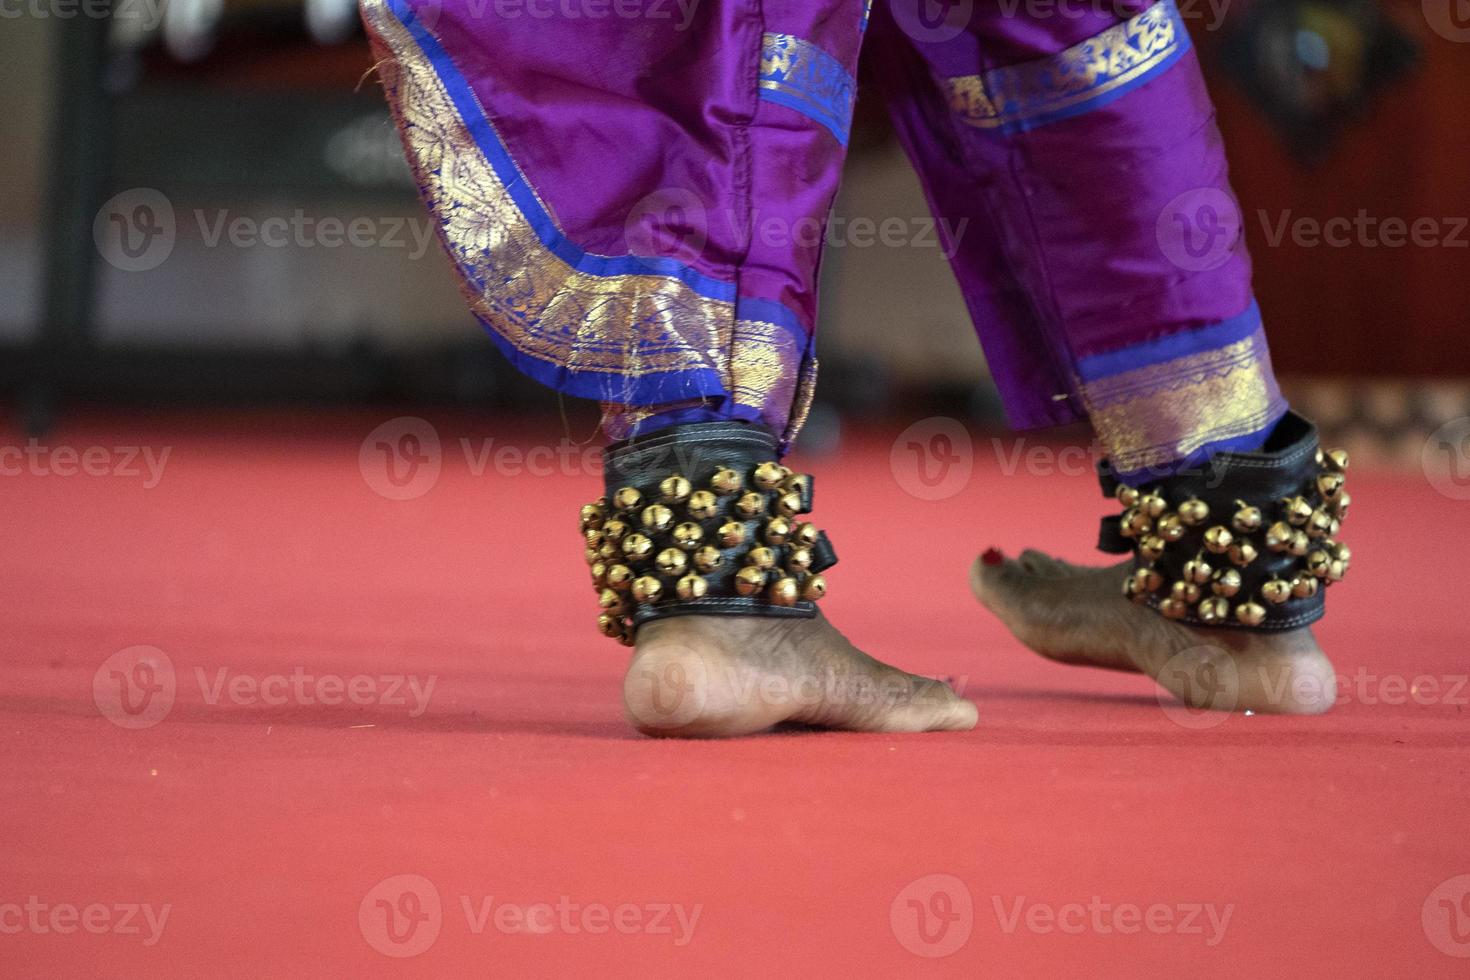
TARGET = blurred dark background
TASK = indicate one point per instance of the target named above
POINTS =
(1333, 109)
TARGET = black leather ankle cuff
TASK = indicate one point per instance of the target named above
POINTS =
(702, 520)
(1246, 540)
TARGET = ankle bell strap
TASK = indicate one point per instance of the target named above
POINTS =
(702, 520)
(1246, 540)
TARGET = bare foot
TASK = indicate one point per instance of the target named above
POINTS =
(1077, 615)
(714, 676)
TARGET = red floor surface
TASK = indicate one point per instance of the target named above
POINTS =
(1081, 830)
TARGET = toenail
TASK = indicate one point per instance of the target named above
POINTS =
(993, 556)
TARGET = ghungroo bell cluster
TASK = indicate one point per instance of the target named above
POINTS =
(694, 549)
(1247, 540)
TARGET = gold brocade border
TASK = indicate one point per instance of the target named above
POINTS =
(1156, 415)
(627, 325)
(1018, 94)
(807, 74)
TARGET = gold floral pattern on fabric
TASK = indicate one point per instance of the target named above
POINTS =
(1155, 415)
(1021, 96)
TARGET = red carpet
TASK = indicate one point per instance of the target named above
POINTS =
(1083, 830)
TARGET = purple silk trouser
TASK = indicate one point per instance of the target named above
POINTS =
(635, 193)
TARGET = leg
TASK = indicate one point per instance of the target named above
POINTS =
(597, 187)
(1088, 145)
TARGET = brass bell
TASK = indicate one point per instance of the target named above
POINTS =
(592, 555)
(1147, 579)
(1303, 586)
(637, 546)
(1173, 609)
(646, 588)
(619, 577)
(1340, 551)
(592, 516)
(1170, 528)
(1329, 485)
(749, 580)
(1340, 505)
(1317, 563)
(1194, 512)
(1300, 543)
(1320, 524)
(599, 574)
(768, 476)
(814, 588)
(1226, 583)
(805, 535)
(1296, 510)
(707, 559)
(1130, 591)
(1197, 570)
(703, 505)
(726, 481)
(608, 550)
(1127, 496)
(1250, 613)
(658, 518)
(1135, 522)
(609, 625)
(610, 600)
(1247, 519)
(732, 533)
(1213, 611)
(688, 535)
(674, 489)
(750, 504)
(800, 560)
(1278, 536)
(762, 558)
(788, 504)
(1336, 570)
(1242, 553)
(1276, 591)
(1335, 528)
(614, 530)
(672, 562)
(1151, 547)
(777, 531)
(691, 587)
(1218, 539)
(627, 498)
(1337, 459)
(593, 537)
(1185, 592)
(784, 592)
(1152, 504)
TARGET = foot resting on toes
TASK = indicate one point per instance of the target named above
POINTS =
(1078, 615)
